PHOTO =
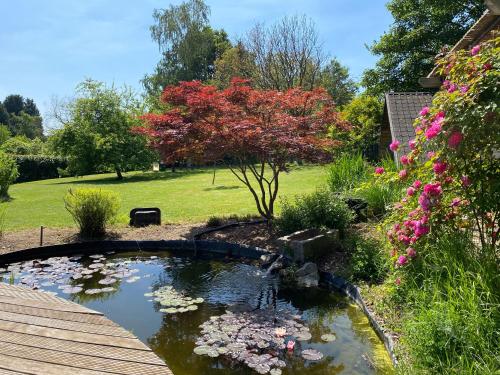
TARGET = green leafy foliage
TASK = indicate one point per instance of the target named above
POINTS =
(92, 210)
(22, 145)
(39, 167)
(8, 174)
(335, 79)
(21, 116)
(4, 133)
(98, 136)
(321, 209)
(348, 171)
(420, 30)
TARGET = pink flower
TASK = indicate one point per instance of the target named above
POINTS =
(404, 160)
(411, 252)
(290, 345)
(397, 281)
(452, 88)
(402, 260)
(464, 89)
(379, 170)
(431, 154)
(448, 179)
(424, 111)
(455, 139)
(394, 146)
(433, 130)
(403, 173)
(475, 50)
(413, 144)
(424, 219)
(455, 202)
(433, 189)
(465, 181)
(410, 191)
(487, 66)
(424, 202)
(440, 167)
(420, 229)
(446, 84)
(417, 184)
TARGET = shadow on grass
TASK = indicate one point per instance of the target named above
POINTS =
(232, 187)
(139, 177)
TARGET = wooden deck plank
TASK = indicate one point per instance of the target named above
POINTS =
(79, 361)
(125, 354)
(64, 324)
(54, 314)
(44, 334)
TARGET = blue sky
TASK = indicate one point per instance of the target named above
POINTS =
(48, 46)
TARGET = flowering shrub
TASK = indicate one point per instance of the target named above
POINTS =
(452, 171)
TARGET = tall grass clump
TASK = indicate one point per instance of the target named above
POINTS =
(321, 209)
(92, 209)
(3, 215)
(455, 319)
(348, 171)
(8, 174)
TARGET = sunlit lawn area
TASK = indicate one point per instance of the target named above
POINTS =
(183, 196)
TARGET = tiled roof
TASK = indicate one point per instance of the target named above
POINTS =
(402, 110)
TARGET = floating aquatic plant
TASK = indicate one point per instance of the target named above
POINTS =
(174, 301)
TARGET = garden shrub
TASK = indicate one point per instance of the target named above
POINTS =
(367, 259)
(321, 209)
(8, 174)
(92, 210)
(39, 167)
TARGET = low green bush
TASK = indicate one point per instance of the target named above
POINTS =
(317, 210)
(8, 174)
(92, 210)
(367, 260)
(378, 196)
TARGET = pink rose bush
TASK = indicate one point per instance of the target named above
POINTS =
(456, 189)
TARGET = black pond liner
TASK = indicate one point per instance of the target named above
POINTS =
(195, 248)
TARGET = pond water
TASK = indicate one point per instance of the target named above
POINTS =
(215, 316)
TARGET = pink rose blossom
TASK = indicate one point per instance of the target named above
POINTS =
(439, 167)
(433, 189)
(424, 202)
(420, 229)
(394, 146)
(410, 191)
(452, 88)
(455, 202)
(397, 281)
(448, 179)
(411, 252)
(464, 89)
(425, 111)
(379, 170)
(446, 84)
(417, 184)
(465, 181)
(403, 173)
(455, 139)
(413, 144)
(431, 154)
(475, 50)
(404, 160)
(402, 260)
(433, 130)
(487, 66)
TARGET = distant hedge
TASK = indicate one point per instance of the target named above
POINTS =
(38, 167)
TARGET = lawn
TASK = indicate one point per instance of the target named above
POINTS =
(183, 196)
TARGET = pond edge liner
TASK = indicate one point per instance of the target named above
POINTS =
(194, 247)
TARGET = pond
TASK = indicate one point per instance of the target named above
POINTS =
(215, 316)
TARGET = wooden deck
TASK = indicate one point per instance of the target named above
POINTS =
(46, 335)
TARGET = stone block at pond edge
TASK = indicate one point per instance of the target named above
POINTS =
(142, 217)
(308, 244)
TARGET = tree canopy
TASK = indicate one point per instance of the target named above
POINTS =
(21, 116)
(255, 132)
(420, 30)
(97, 136)
(335, 79)
(188, 44)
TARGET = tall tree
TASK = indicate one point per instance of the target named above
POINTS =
(30, 107)
(97, 137)
(14, 104)
(255, 132)
(335, 79)
(287, 54)
(234, 62)
(188, 44)
(24, 124)
(420, 30)
(4, 115)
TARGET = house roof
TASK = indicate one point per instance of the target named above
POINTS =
(401, 109)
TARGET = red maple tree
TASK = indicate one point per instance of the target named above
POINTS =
(255, 132)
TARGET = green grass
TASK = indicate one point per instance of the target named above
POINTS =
(183, 196)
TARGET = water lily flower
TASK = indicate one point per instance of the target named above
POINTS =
(280, 331)
(455, 139)
(394, 146)
(475, 50)
(379, 170)
(290, 345)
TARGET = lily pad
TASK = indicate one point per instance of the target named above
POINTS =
(328, 337)
(311, 355)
